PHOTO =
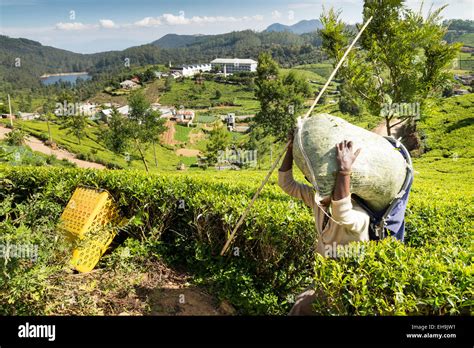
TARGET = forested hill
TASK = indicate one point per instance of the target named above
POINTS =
(304, 26)
(35, 59)
(286, 47)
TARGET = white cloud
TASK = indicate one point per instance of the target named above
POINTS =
(107, 24)
(148, 22)
(181, 19)
(73, 26)
(276, 14)
(171, 19)
(291, 15)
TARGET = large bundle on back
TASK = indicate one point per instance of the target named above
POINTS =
(378, 172)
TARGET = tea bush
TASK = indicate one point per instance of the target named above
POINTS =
(274, 259)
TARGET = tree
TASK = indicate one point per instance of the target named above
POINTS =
(137, 115)
(281, 97)
(16, 137)
(145, 125)
(402, 59)
(75, 125)
(219, 139)
(154, 127)
(148, 75)
(218, 94)
(169, 82)
(48, 114)
(116, 137)
(260, 143)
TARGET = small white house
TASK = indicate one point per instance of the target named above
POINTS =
(165, 111)
(190, 70)
(184, 116)
(123, 110)
(128, 84)
(28, 116)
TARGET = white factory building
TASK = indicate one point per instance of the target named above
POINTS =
(191, 70)
(231, 65)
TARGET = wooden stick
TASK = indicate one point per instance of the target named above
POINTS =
(241, 220)
(337, 68)
(247, 210)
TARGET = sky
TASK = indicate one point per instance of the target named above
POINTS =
(88, 26)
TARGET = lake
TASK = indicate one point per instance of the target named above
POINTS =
(52, 79)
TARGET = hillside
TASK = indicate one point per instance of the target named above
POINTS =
(140, 275)
(287, 48)
(302, 27)
(176, 40)
(449, 129)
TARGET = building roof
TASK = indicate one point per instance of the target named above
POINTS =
(233, 61)
(127, 82)
(189, 66)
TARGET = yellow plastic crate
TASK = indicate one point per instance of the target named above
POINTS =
(90, 220)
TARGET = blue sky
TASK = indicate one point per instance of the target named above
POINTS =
(88, 26)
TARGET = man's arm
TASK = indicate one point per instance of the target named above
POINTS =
(287, 182)
(345, 159)
(341, 204)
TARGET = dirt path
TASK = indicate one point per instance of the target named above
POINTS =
(188, 152)
(168, 136)
(157, 289)
(39, 146)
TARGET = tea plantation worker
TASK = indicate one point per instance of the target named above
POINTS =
(353, 218)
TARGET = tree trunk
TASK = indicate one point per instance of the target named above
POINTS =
(154, 154)
(49, 131)
(141, 154)
(387, 124)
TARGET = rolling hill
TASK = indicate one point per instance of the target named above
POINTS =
(302, 27)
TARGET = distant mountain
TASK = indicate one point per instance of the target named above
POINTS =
(302, 27)
(286, 47)
(176, 41)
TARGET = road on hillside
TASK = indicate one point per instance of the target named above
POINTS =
(37, 145)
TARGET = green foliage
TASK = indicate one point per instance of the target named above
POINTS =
(449, 131)
(403, 57)
(75, 125)
(281, 97)
(144, 125)
(275, 244)
(116, 136)
(18, 155)
(219, 139)
(182, 133)
(16, 137)
(235, 98)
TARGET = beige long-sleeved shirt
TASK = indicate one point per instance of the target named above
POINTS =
(354, 220)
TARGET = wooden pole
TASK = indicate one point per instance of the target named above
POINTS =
(337, 67)
(247, 210)
(10, 107)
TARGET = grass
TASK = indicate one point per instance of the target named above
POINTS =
(321, 69)
(182, 133)
(448, 131)
(233, 98)
(93, 149)
(205, 118)
(467, 39)
(23, 155)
